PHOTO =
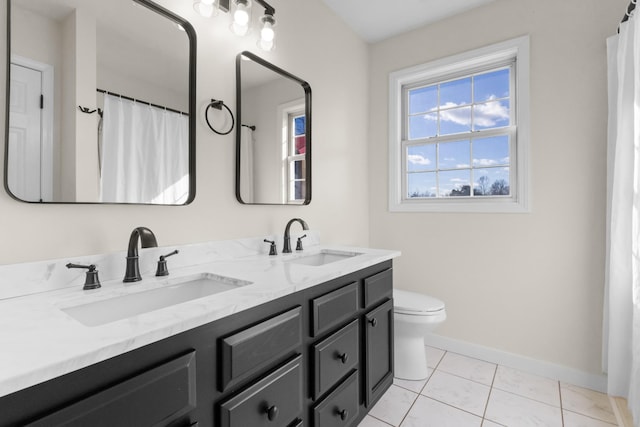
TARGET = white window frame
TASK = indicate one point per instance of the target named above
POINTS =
(285, 112)
(443, 69)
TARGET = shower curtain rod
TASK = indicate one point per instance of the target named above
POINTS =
(629, 12)
(141, 102)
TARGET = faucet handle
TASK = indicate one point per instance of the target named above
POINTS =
(162, 264)
(91, 281)
(272, 248)
(299, 244)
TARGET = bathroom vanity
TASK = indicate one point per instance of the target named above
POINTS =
(300, 344)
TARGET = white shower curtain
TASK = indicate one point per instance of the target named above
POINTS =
(145, 154)
(622, 291)
(246, 164)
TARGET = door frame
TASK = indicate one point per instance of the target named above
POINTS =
(46, 134)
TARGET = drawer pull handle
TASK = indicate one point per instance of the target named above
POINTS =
(373, 322)
(272, 412)
(344, 357)
(343, 414)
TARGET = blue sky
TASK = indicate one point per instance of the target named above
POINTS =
(461, 106)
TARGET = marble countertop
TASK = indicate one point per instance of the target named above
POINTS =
(40, 342)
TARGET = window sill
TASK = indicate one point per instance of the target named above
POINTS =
(461, 206)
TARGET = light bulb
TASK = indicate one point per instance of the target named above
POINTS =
(267, 34)
(241, 17)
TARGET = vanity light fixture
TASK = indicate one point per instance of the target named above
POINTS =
(240, 11)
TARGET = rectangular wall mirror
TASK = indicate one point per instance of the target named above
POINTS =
(101, 101)
(273, 134)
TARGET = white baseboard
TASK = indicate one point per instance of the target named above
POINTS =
(522, 363)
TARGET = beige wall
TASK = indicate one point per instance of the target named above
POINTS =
(339, 206)
(529, 284)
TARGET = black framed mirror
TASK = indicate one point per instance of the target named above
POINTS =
(100, 103)
(273, 134)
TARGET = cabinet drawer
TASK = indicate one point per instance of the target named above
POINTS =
(260, 346)
(378, 287)
(333, 308)
(274, 401)
(155, 397)
(341, 407)
(334, 357)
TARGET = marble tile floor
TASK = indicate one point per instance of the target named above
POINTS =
(461, 391)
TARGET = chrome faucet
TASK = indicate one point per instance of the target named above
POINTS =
(147, 240)
(287, 237)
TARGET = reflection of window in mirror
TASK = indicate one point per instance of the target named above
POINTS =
(294, 147)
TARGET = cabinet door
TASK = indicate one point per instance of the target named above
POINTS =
(154, 398)
(273, 401)
(379, 354)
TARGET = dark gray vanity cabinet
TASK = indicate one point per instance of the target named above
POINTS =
(320, 357)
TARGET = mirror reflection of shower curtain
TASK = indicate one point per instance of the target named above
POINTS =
(145, 154)
(246, 164)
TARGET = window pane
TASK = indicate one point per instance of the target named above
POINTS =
(421, 185)
(456, 120)
(300, 144)
(454, 155)
(299, 190)
(491, 85)
(491, 115)
(299, 125)
(423, 126)
(455, 183)
(492, 151)
(421, 158)
(298, 171)
(423, 99)
(491, 182)
(456, 92)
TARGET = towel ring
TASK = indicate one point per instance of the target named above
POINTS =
(217, 104)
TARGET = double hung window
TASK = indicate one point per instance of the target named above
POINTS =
(458, 132)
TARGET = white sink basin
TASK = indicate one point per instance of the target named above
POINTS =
(323, 257)
(175, 291)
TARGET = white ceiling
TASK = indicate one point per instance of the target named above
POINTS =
(376, 20)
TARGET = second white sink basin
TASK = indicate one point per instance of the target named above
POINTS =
(175, 291)
(323, 257)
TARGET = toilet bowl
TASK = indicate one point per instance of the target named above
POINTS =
(414, 315)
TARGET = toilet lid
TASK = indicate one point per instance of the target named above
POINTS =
(407, 302)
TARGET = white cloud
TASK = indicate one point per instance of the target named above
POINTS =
(489, 114)
(485, 115)
(484, 162)
(459, 116)
(417, 159)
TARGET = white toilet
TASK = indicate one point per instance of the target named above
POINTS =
(414, 315)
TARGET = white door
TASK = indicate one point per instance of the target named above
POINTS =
(25, 134)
